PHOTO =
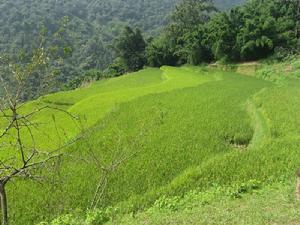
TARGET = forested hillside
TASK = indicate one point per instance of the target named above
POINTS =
(92, 26)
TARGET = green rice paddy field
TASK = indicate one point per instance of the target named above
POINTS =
(208, 146)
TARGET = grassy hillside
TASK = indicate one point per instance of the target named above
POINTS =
(94, 102)
(190, 129)
(274, 204)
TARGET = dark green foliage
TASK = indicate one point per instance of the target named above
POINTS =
(258, 33)
(187, 29)
(130, 47)
(96, 54)
(117, 68)
(267, 25)
(221, 35)
(190, 13)
(260, 28)
(159, 52)
(38, 66)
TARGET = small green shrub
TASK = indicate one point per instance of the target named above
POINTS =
(238, 190)
(68, 219)
(168, 203)
(93, 217)
(97, 217)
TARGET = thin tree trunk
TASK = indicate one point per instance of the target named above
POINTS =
(3, 204)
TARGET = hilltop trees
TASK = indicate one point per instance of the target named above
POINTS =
(183, 40)
(287, 15)
(160, 51)
(221, 35)
(265, 27)
(187, 26)
(256, 30)
(198, 33)
(258, 33)
(130, 47)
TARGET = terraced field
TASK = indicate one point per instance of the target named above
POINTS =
(187, 129)
(92, 103)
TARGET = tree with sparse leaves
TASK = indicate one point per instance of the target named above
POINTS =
(21, 155)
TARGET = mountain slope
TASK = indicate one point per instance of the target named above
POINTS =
(91, 28)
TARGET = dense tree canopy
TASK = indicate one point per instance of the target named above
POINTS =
(130, 46)
(197, 33)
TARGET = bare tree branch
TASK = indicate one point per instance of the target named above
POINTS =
(19, 129)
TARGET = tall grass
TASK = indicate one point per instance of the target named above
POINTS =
(274, 204)
(93, 103)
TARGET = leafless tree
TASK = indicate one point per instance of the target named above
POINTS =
(20, 154)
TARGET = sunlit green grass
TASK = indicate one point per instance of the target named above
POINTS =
(92, 103)
(139, 79)
(96, 106)
(275, 204)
